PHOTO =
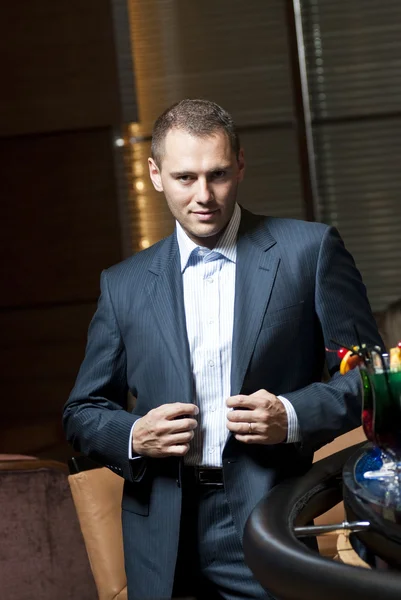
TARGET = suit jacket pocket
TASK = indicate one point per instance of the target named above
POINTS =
(136, 497)
(283, 315)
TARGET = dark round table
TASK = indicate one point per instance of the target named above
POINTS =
(289, 568)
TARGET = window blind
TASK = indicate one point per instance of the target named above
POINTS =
(353, 56)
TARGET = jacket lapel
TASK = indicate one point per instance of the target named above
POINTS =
(167, 300)
(255, 275)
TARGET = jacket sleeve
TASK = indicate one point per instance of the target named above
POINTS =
(326, 410)
(95, 418)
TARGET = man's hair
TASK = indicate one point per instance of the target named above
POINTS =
(200, 118)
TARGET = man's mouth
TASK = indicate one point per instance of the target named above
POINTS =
(205, 212)
(205, 215)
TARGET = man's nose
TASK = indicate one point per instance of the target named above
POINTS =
(204, 193)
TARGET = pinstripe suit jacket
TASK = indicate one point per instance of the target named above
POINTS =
(296, 288)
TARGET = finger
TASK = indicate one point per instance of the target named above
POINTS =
(241, 401)
(180, 438)
(184, 424)
(179, 409)
(242, 428)
(250, 439)
(264, 394)
(242, 416)
(178, 450)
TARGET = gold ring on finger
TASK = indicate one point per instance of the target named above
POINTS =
(250, 429)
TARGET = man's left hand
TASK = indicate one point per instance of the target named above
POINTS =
(260, 418)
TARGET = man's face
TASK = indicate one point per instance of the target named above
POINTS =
(199, 177)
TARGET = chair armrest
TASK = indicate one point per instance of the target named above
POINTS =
(97, 497)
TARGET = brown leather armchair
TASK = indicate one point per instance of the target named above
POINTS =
(97, 494)
(42, 553)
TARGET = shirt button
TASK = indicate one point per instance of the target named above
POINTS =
(210, 321)
(211, 363)
(211, 450)
(209, 279)
(212, 408)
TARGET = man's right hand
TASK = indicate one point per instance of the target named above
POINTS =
(165, 431)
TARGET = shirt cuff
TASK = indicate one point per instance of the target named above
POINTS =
(294, 432)
(131, 454)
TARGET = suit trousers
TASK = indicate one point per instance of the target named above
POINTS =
(210, 562)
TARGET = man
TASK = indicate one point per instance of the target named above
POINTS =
(219, 331)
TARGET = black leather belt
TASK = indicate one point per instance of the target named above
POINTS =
(212, 476)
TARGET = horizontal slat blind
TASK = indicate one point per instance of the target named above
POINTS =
(353, 52)
(236, 54)
(359, 184)
(272, 184)
(232, 52)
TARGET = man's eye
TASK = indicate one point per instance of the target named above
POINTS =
(184, 178)
(219, 174)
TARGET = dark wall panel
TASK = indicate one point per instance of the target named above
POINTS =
(67, 86)
(41, 353)
(60, 68)
(60, 216)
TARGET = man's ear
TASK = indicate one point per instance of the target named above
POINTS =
(155, 176)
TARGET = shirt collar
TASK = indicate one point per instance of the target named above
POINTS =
(227, 244)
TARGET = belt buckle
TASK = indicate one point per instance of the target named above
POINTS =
(203, 480)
